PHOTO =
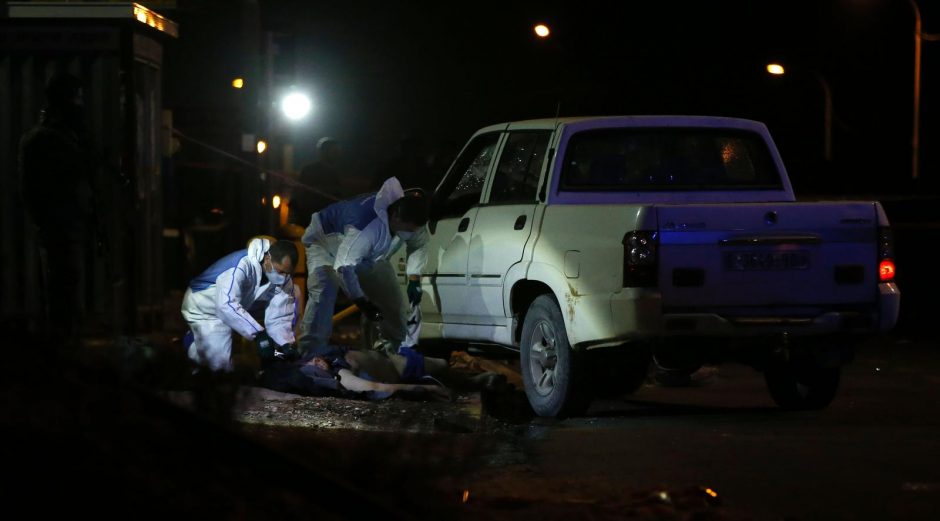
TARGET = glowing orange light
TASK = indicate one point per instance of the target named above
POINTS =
(542, 31)
(775, 68)
(146, 16)
(238, 83)
(886, 270)
(711, 492)
(264, 201)
(466, 495)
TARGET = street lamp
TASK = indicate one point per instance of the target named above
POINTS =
(919, 36)
(776, 69)
(542, 30)
(296, 105)
(915, 136)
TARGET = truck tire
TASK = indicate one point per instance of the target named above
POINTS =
(802, 386)
(554, 375)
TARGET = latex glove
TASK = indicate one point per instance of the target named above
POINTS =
(370, 310)
(265, 347)
(287, 352)
(414, 292)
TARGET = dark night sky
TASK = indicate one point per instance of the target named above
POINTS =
(440, 70)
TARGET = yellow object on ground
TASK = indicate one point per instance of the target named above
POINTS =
(345, 313)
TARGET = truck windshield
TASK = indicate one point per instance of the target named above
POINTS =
(646, 159)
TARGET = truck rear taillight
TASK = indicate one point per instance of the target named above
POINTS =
(886, 270)
(885, 254)
(640, 259)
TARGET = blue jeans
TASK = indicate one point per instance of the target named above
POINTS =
(381, 287)
(317, 328)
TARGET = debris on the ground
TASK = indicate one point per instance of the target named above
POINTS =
(461, 360)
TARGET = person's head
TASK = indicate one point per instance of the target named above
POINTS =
(409, 213)
(320, 363)
(328, 150)
(281, 258)
(63, 89)
(64, 97)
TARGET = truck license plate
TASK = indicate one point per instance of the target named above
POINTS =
(761, 261)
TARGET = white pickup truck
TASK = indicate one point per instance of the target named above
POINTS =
(596, 245)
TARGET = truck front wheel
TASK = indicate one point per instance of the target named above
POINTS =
(553, 373)
(802, 386)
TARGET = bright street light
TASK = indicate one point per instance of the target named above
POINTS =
(238, 83)
(276, 202)
(262, 146)
(542, 31)
(775, 68)
(296, 106)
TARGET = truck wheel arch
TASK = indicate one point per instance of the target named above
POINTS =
(523, 293)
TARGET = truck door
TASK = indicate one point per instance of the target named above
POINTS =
(454, 207)
(503, 224)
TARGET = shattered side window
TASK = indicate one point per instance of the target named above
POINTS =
(517, 175)
(668, 159)
(464, 183)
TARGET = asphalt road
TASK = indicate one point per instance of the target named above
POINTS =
(874, 453)
(102, 443)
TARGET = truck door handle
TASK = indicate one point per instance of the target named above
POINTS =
(520, 223)
(464, 224)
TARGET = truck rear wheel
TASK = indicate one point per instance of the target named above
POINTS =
(553, 373)
(802, 386)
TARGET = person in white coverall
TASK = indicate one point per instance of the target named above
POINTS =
(348, 245)
(220, 300)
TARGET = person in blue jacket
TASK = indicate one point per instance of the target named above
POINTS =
(355, 238)
(219, 299)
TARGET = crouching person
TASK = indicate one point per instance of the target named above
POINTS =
(218, 301)
(355, 238)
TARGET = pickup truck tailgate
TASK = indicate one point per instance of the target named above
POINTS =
(767, 255)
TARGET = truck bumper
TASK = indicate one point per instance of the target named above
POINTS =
(637, 314)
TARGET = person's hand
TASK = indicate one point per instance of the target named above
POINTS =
(265, 347)
(287, 352)
(414, 292)
(369, 310)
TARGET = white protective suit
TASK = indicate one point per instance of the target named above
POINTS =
(218, 301)
(349, 243)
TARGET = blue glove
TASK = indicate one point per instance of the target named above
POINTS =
(414, 292)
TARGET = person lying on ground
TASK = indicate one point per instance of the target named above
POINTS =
(360, 381)
(372, 375)
(345, 375)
